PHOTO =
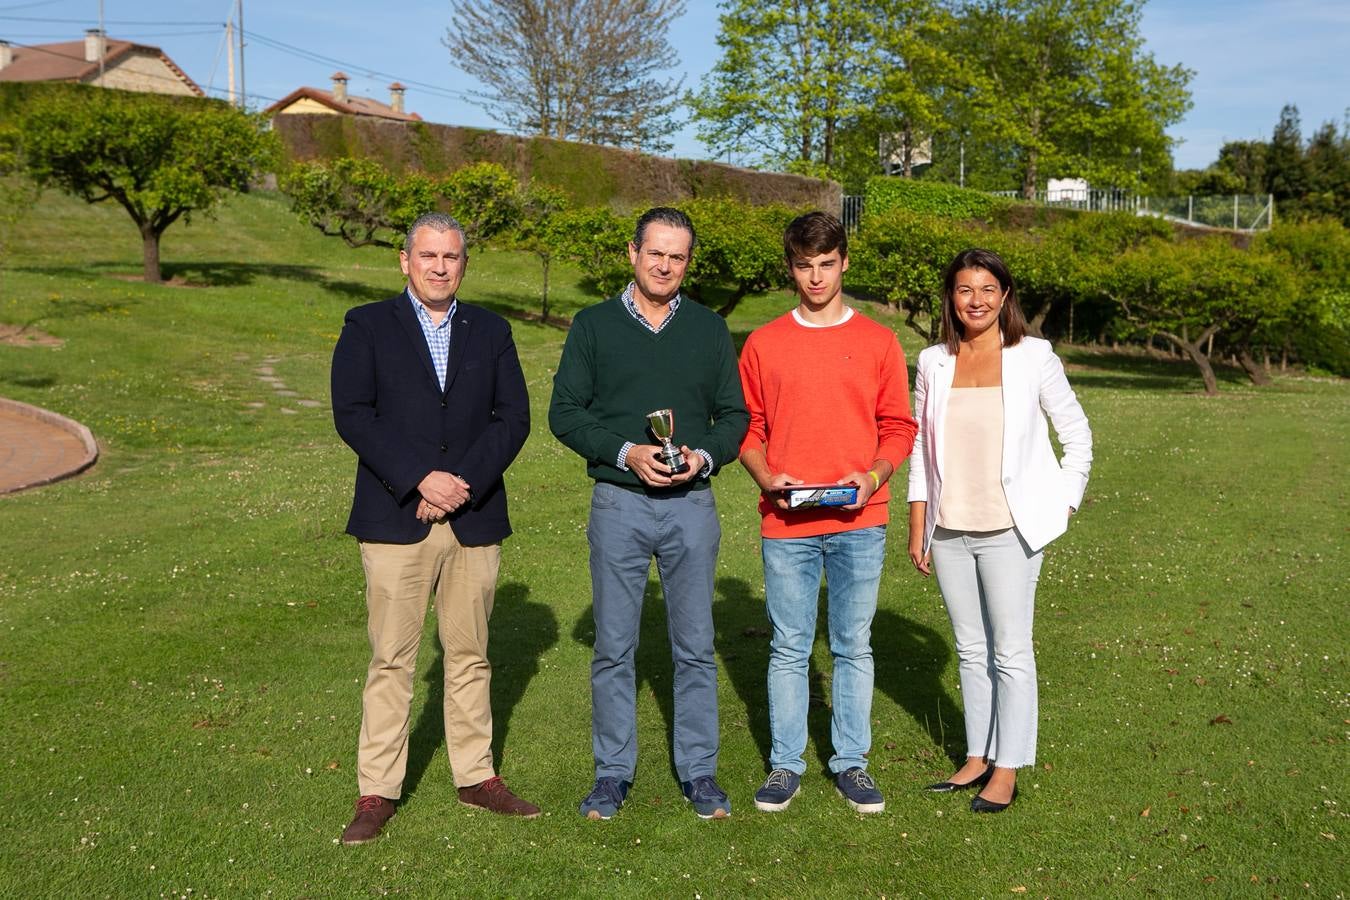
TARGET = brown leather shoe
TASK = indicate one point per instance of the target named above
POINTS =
(494, 796)
(371, 813)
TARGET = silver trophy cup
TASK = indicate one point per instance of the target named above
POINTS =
(662, 424)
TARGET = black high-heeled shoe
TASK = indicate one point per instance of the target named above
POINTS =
(980, 805)
(946, 787)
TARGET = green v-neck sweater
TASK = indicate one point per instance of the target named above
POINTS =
(614, 371)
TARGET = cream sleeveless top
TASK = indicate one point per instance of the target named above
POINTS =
(972, 462)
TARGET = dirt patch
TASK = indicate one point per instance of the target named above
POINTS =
(22, 336)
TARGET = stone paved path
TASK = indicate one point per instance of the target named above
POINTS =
(38, 447)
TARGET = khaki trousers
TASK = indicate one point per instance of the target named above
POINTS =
(399, 579)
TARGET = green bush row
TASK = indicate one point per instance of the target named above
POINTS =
(884, 194)
(1122, 276)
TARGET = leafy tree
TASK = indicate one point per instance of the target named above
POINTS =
(1187, 292)
(899, 257)
(582, 70)
(160, 158)
(366, 205)
(1286, 168)
(17, 193)
(919, 77)
(1067, 83)
(358, 200)
(1317, 254)
(594, 239)
(740, 248)
(484, 198)
(790, 76)
(1328, 166)
(539, 231)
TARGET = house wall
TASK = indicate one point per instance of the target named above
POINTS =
(143, 72)
(308, 106)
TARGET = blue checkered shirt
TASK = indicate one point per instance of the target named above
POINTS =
(437, 335)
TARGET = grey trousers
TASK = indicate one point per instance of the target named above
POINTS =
(626, 530)
(988, 582)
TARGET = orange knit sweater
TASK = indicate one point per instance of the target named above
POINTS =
(825, 402)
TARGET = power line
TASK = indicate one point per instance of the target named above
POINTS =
(28, 5)
(107, 21)
(302, 53)
(122, 37)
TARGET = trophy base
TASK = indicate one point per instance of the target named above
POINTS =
(676, 463)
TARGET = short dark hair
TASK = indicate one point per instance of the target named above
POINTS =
(664, 215)
(1012, 324)
(814, 234)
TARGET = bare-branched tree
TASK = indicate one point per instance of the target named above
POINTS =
(582, 70)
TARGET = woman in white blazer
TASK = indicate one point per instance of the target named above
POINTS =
(986, 494)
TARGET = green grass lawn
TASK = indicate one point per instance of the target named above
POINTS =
(182, 630)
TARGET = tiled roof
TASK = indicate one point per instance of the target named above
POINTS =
(352, 106)
(65, 61)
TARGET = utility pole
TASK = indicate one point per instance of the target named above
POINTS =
(102, 43)
(243, 93)
(229, 57)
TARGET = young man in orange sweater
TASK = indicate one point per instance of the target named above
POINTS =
(828, 396)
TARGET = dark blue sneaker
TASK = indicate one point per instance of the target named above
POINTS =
(778, 790)
(605, 798)
(710, 801)
(859, 790)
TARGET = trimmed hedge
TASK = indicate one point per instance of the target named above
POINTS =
(884, 194)
(590, 175)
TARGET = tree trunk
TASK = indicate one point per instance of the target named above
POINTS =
(1029, 178)
(543, 312)
(1195, 352)
(1037, 322)
(150, 254)
(1259, 376)
(730, 306)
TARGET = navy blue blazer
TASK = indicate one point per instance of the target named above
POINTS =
(388, 407)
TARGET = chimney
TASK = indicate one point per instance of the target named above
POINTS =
(396, 96)
(95, 45)
(340, 86)
(6, 54)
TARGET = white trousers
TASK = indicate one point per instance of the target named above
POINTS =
(988, 582)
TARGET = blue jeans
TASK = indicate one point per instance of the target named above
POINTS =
(851, 561)
(626, 530)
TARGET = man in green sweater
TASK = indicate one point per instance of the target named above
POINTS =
(645, 350)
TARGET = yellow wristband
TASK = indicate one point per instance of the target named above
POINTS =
(876, 480)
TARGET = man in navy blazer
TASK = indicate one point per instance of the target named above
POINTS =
(429, 393)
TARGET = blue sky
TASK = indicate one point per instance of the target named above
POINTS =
(1250, 56)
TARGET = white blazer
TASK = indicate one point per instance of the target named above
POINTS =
(1040, 489)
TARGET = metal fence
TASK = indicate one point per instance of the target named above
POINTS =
(1240, 212)
(853, 209)
(1089, 199)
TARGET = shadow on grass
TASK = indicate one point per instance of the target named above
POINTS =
(743, 641)
(909, 660)
(236, 274)
(743, 644)
(29, 381)
(1129, 371)
(519, 634)
(506, 307)
(209, 274)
